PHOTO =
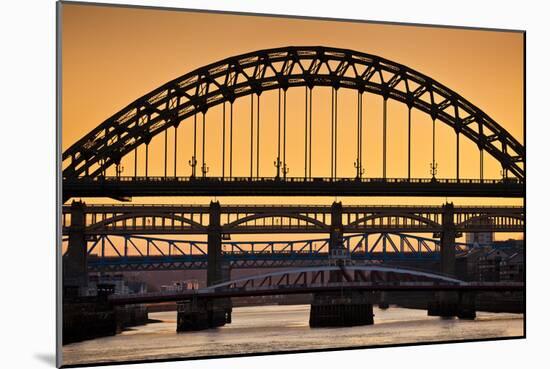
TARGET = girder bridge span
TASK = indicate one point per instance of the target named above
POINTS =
(132, 253)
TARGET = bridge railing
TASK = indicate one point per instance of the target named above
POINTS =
(119, 208)
(511, 180)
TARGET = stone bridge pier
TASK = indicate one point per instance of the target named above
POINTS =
(450, 304)
(75, 266)
(199, 313)
(346, 308)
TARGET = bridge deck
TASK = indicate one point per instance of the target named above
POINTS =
(158, 297)
(120, 187)
(198, 208)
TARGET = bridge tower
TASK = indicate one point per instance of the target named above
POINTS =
(448, 234)
(199, 313)
(214, 272)
(338, 254)
(336, 229)
(346, 308)
(450, 304)
(75, 274)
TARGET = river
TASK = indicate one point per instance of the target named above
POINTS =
(285, 328)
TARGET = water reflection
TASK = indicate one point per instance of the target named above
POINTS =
(268, 328)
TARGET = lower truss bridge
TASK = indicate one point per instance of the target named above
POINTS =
(134, 252)
(342, 295)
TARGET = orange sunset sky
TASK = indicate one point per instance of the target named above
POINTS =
(113, 55)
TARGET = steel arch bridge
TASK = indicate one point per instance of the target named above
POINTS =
(132, 252)
(87, 162)
(242, 219)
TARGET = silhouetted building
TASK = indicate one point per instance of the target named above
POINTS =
(176, 286)
(490, 264)
(499, 261)
(480, 238)
(512, 268)
(120, 284)
(472, 259)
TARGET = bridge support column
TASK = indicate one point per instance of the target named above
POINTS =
(341, 310)
(447, 303)
(337, 251)
(75, 267)
(467, 305)
(198, 314)
(214, 267)
(383, 300)
(336, 230)
(450, 304)
(448, 234)
(344, 309)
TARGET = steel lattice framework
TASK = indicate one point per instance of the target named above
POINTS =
(364, 273)
(124, 253)
(317, 279)
(282, 68)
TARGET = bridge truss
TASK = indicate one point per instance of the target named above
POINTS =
(133, 252)
(325, 278)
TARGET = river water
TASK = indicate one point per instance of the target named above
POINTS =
(283, 328)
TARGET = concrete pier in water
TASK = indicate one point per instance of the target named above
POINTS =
(450, 304)
(453, 304)
(351, 309)
(198, 314)
(346, 309)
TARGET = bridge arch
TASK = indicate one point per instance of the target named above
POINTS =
(322, 226)
(418, 218)
(117, 218)
(487, 218)
(282, 68)
(326, 268)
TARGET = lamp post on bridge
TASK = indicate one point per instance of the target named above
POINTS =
(193, 165)
(277, 163)
(360, 169)
(119, 169)
(285, 170)
(433, 170)
(204, 169)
